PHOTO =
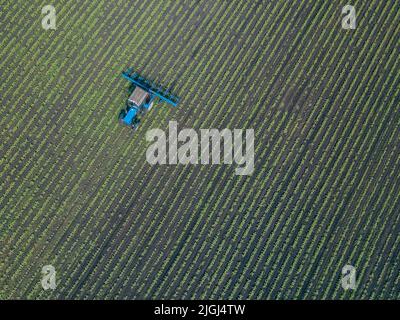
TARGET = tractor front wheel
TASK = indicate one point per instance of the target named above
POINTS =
(122, 115)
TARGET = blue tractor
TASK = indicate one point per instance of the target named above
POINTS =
(141, 99)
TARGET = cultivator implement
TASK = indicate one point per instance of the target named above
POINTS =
(150, 87)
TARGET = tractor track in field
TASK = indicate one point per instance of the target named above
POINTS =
(136, 203)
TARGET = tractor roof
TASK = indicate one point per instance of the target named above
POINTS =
(138, 96)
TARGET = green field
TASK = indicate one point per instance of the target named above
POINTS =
(76, 191)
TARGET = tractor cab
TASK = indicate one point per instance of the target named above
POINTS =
(139, 102)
